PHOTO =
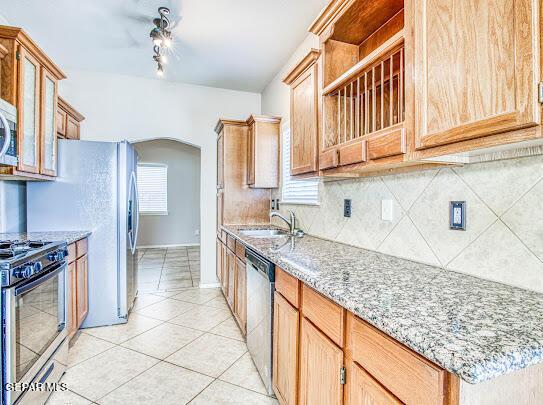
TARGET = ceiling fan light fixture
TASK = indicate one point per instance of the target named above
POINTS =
(161, 37)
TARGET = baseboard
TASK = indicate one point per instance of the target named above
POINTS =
(209, 285)
(168, 246)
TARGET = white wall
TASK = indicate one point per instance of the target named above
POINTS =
(121, 107)
(181, 225)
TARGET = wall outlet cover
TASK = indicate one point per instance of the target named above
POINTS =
(347, 208)
(197, 232)
(387, 210)
(457, 215)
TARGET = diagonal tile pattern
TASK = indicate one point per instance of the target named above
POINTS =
(148, 360)
(163, 269)
(504, 208)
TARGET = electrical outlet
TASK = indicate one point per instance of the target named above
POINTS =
(197, 232)
(457, 215)
(387, 210)
(347, 208)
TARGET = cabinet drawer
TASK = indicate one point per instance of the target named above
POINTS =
(72, 255)
(231, 243)
(410, 377)
(240, 251)
(82, 247)
(288, 286)
(325, 314)
(354, 152)
(390, 143)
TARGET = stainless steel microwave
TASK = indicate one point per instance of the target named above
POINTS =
(8, 134)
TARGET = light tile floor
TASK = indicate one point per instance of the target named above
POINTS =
(167, 269)
(178, 347)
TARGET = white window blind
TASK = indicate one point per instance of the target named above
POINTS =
(153, 188)
(295, 191)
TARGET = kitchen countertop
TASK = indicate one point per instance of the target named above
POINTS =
(474, 328)
(68, 236)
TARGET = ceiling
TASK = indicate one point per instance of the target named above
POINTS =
(233, 44)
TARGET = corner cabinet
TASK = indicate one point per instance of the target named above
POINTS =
(477, 67)
(304, 127)
(68, 121)
(29, 82)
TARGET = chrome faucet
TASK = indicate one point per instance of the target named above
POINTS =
(291, 224)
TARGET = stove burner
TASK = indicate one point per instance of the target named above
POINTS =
(12, 249)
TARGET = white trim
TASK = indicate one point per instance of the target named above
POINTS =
(315, 204)
(209, 285)
(154, 213)
(167, 246)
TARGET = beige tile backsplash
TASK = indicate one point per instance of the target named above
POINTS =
(504, 236)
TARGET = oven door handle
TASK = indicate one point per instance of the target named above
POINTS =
(40, 280)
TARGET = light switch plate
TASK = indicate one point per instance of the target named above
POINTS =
(457, 215)
(387, 210)
(347, 208)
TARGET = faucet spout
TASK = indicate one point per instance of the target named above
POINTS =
(291, 223)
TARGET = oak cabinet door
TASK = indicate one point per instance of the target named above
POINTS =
(231, 279)
(61, 122)
(72, 299)
(73, 128)
(241, 294)
(475, 67)
(285, 350)
(303, 133)
(362, 388)
(320, 368)
(251, 150)
(29, 112)
(82, 277)
(48, 144)
(220, 160)
(224, 265)
(219, 260)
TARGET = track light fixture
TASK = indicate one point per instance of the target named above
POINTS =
(162, 38)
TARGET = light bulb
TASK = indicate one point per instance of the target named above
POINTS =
(163, 59)
(157, 41)
(160, 70)
(167, 42)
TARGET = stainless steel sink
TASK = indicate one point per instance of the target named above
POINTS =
(264, 233)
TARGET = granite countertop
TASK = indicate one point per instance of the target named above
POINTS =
(68, 236)
(474, 328)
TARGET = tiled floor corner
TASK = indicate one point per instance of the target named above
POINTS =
(178, 347)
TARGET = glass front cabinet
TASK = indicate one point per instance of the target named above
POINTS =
(29, 81)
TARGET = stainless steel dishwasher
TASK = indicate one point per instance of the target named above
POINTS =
(260, 289)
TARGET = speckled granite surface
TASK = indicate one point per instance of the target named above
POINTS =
(474, 328)
(68, 236)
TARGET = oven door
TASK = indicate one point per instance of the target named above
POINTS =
(34, 326)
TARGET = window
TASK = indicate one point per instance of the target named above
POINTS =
(295, 191)
(153, 188)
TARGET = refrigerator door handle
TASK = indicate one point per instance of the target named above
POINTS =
(133, 213)
(136, 211)
(7, 137)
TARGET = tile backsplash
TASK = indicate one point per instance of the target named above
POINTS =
(504, 236)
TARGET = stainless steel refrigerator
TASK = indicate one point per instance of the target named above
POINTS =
(96, 190)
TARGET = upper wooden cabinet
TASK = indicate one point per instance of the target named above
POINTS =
(304, 128)
(28, 80)
(263, 151)
(477, 69)
(237, 203)
(68, 121)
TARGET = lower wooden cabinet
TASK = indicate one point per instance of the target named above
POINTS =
(224, 270)
(82, 279)
(231, 263)
(286, 320)
(321, 363)
(219, 261)
(78, 284)
(240, 311)
(72, 299)
(362, 388)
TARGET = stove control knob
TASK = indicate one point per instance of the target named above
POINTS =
(25, 271)
(37, 267)
(57, 256)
